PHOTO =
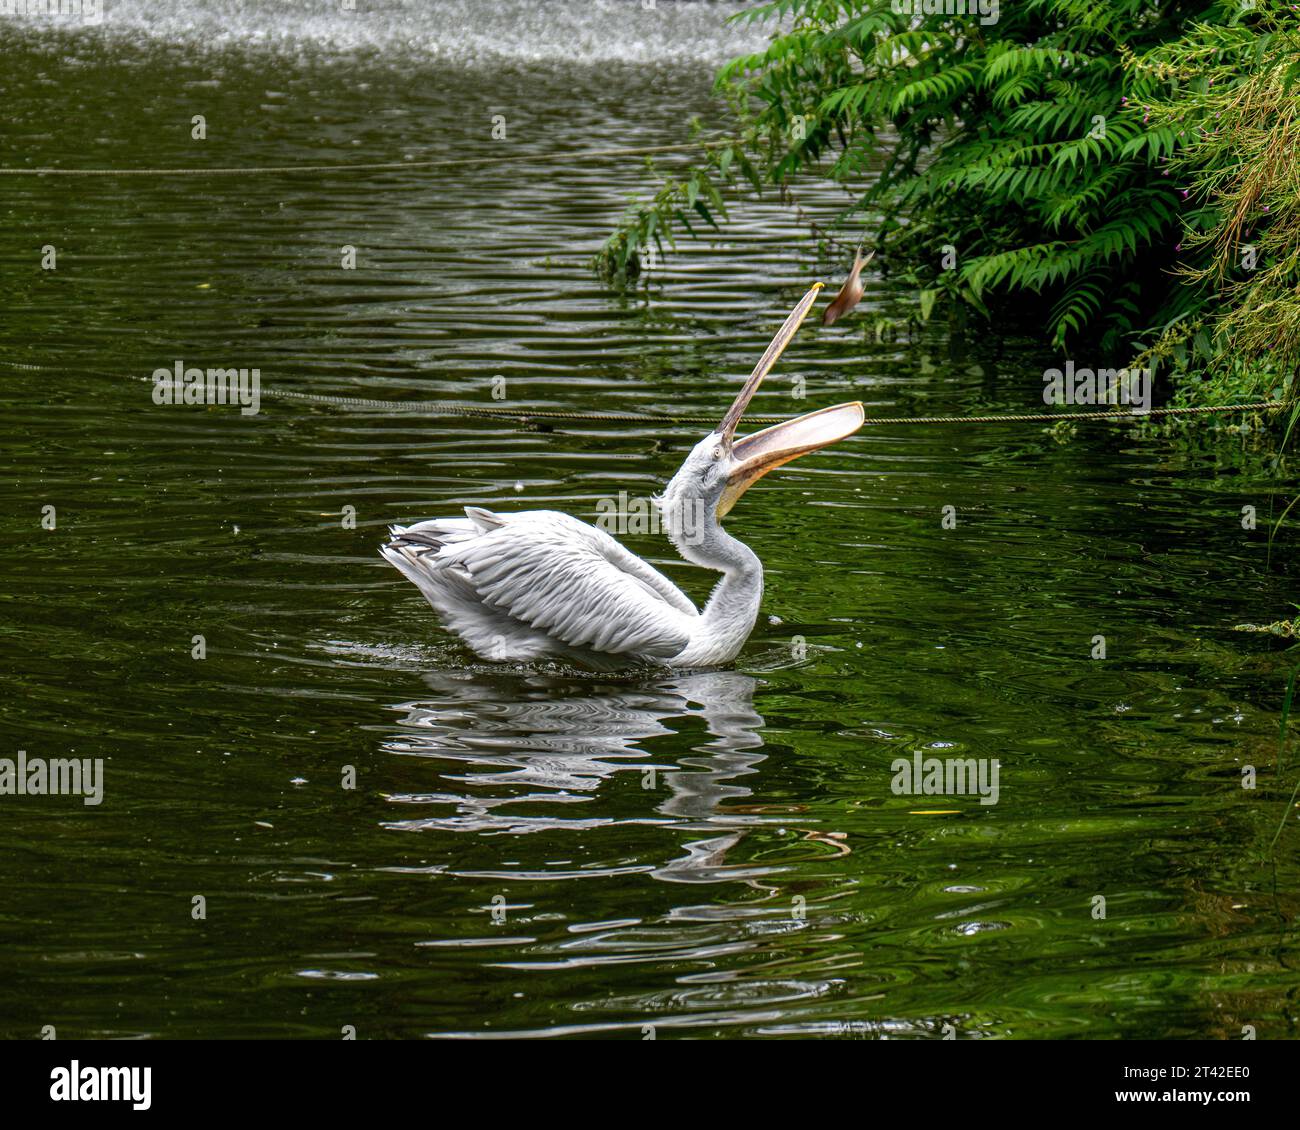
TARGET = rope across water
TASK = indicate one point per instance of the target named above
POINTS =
(524, 415)
(509, 414)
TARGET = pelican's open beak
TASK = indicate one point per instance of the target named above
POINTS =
(754, 455)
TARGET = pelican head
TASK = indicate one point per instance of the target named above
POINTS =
(721, 467)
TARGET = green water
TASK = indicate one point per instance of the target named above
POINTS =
(541, 851)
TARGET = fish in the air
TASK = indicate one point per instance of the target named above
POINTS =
(850, 293)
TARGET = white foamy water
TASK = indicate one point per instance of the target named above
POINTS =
(469, 32)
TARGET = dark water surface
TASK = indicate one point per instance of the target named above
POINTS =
(541, 851)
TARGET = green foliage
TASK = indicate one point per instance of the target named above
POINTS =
(1063, 153)
(1236, 96)
(696, 199)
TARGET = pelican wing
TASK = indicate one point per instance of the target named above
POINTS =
(575, 583)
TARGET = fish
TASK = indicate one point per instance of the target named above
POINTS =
(850, 293)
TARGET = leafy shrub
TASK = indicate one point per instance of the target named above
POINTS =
(1105, 158)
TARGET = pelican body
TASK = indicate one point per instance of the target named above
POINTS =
(540, 584)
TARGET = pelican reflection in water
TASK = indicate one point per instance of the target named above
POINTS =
(541, 584)
(533, 752)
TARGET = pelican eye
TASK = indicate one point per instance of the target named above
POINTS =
(717, 452)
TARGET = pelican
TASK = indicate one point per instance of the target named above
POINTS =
(541, 584)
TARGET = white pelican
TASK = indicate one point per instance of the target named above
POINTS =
(540, 584)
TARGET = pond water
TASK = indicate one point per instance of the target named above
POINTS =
(543, 851)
